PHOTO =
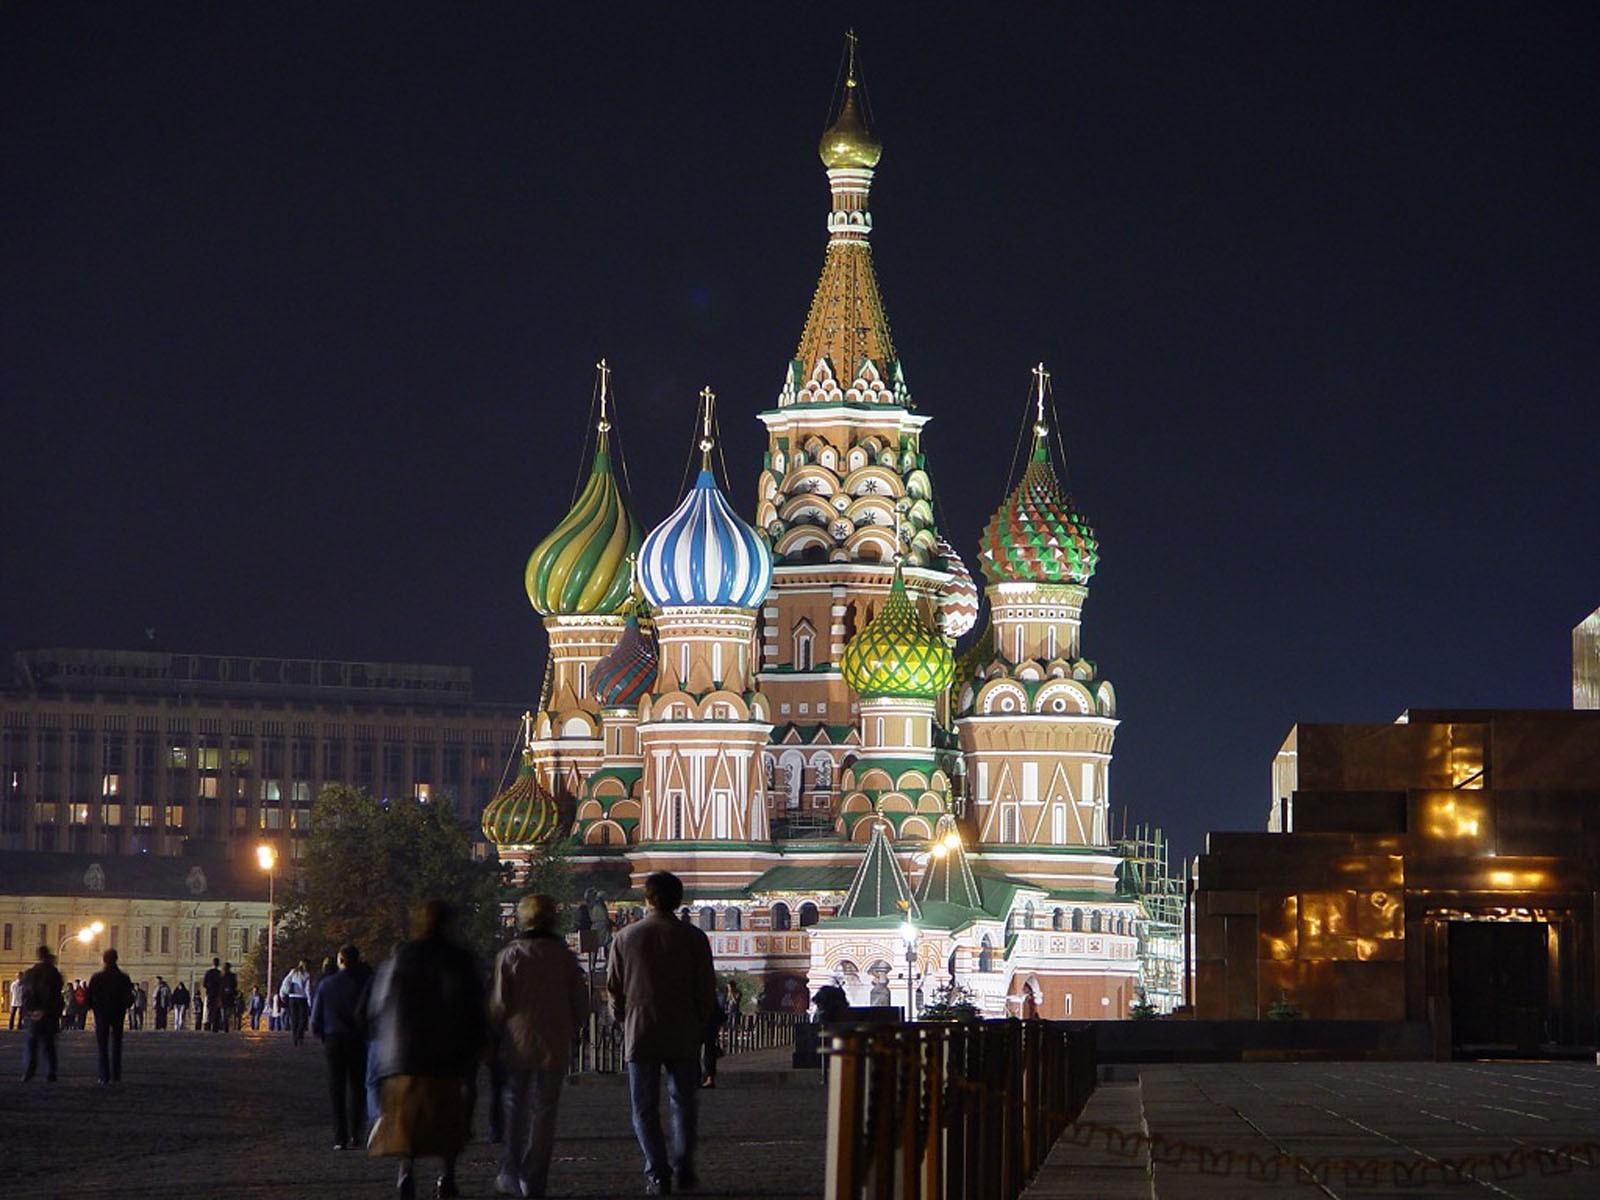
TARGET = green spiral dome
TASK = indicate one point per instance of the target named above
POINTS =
(897, 654)
(1036, 536)
(525, 814)
(583, 566)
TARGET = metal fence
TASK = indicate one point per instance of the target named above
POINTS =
(599, 1043)
(950, 1111)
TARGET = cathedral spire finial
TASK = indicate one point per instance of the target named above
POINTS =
(1042, 378)
(603, 373)
(708, 402)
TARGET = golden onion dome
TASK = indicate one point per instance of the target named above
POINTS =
(583, 566)
(525, 814)
(897, 654)
(849, 143)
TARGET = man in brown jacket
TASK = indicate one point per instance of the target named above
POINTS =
(539, 998)
(663, 990)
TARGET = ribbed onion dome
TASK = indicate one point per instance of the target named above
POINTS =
(849, 143)
(897, 654)
(582, 567)
(704, 555)
(958, 598)
(624, 675)
(525, 814)
(1036, 536)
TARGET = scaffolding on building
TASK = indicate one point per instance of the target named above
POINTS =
(1148, 875)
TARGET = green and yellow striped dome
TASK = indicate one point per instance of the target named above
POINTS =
(525, 814)
(897, 654)
(582, 567)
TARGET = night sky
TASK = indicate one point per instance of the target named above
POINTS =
(301, 305)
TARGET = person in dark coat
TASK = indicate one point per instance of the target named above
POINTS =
(110, 996)
(338, 1019)
(663, 989)
(211, 986)
(431, 1030)
(42, 986)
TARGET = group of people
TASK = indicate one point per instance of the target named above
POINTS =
(41, 995)
(404, 1043)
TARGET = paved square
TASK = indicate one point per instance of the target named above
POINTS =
(203, 1115)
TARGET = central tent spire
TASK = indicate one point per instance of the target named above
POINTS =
(846, 324)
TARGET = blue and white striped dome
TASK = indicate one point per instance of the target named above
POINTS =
(703, 554)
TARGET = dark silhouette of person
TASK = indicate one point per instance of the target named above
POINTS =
(211, 985)
(110, 997)
(431, 1030)
(338, 1020)
(42, 985)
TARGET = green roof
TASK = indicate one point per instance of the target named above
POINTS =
(833, 878)
(949, 877)
(879, 888)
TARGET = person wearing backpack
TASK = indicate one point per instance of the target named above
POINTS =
(43, 986)
(110, 996)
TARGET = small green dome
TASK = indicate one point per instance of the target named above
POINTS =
(525, 814)
(897, 654)
(583, 566)
(1036, 536)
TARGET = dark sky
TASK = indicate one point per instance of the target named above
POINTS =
(301, 305)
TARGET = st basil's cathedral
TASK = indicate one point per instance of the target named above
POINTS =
(775, 711)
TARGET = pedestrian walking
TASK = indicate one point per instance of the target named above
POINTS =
(431, 1029)
(162, 1000)
(180, 1004)
(141, 1001)
(110, 996)
(296, 993)
(538, 1000)
(663, 990)
(211, 986)
(19, 1015)
(42, 988)
(338, 1020)
(230, 998)
(258, 1004)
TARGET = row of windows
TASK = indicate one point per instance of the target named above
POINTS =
(207, 940)
(732, 918)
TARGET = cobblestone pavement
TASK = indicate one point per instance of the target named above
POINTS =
(203, 1115)
(1401, 1115)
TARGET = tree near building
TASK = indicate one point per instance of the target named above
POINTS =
(369, 864)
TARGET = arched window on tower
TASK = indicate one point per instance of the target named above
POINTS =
(985, 954)
(1096, 921)
(732, 919)
(780, 916)
(808, 914)
(1077, 920)
(1027, 915)
(1056, 920)
(804, 640)
(708, 918)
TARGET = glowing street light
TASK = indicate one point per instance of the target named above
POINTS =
(908, 935)
(84, 936)
(267, 857)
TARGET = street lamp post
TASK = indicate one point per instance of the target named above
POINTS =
(267, 857)
(85, 935)
(908, 934)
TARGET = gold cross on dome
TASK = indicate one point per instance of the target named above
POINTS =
(708, 400)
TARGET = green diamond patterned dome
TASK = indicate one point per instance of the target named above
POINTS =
(897, 654)
(525, 814)
(1036, 536)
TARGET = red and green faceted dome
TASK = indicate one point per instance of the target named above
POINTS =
(897, 654)
(1036, 535)
(525, 814)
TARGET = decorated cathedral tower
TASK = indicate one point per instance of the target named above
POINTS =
(578, 581)
(703, 723)
(1035, 722)
(843, 474)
